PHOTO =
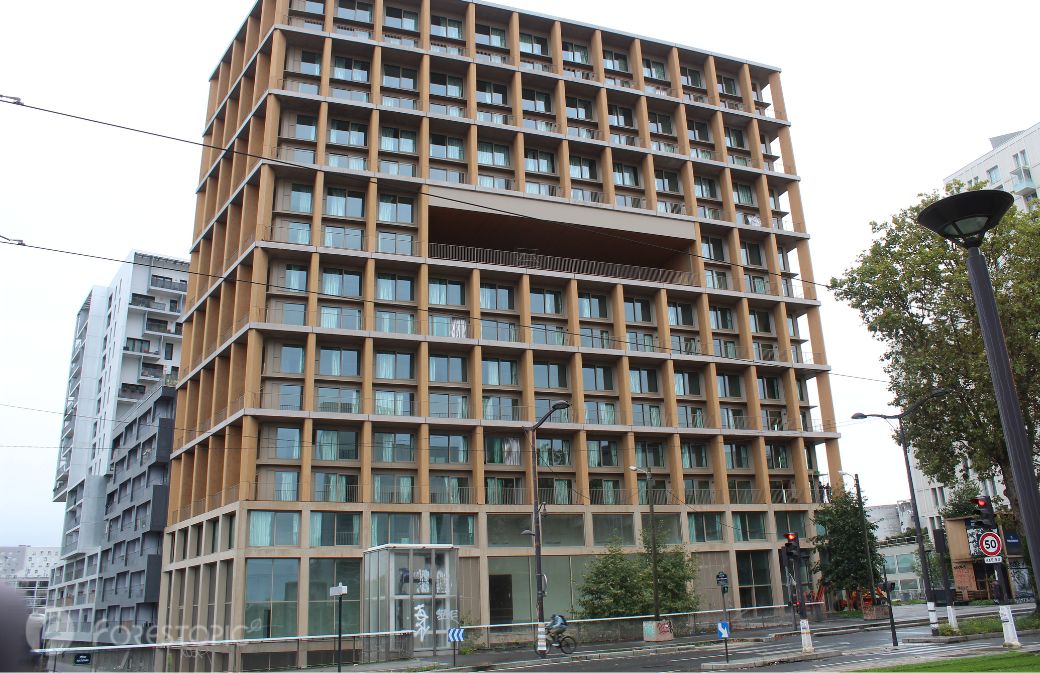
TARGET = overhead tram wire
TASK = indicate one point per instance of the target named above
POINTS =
(311, 167)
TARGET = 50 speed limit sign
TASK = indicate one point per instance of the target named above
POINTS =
(990, 544)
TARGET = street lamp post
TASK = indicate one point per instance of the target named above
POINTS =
(536, 525)
(653, 541)
(933, 619)
(964, 219)
(866, 540)
(338, 592)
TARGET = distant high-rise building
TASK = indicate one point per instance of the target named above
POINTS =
(28, 569)
(126, 343)
(1008, 165)
(442, 219)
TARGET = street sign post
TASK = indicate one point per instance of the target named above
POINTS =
(990, 544)
(722, 630)
(455, 636)
(338, 592)
(722, 580)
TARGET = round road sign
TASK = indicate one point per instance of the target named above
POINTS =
(990, 544)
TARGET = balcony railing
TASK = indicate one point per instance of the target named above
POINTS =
(783, 495)
(553, 496)
(744, 496)
(507, 496)
(608, 496)
(659, 496)
(394, 495)
(462, 495)
(168, 284)
(700, 496)
(527, 260)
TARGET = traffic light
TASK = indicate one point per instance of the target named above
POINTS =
(792, 548)
(984, 515)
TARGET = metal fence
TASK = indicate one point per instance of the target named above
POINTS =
(261, 654)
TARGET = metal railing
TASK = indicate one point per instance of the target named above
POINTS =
(461, 495)
(783, 495)
(700, 496)
(608, 496)
(745, 496)
(463, 253)
(507, 496)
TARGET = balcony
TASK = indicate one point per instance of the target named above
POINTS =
(554, 496)
(1022, 181)
(394, 495)
(527, 260)
(131, 391)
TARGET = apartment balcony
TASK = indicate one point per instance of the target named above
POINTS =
(147, 303)
(537, 261)
(394, 495)
(131, 392)
(558, 496)
(1022, 181)
(140, 347)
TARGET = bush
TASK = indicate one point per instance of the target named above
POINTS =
(975, 625)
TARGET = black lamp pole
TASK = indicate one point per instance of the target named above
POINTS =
(653, 540)
(536, 527)
(964, 219)
(933, 619)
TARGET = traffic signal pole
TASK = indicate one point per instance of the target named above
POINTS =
(987, 520)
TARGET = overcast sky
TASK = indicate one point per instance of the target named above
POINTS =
(886, 98)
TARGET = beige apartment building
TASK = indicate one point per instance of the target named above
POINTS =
(431, 221)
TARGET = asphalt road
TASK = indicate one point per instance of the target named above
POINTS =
(866, 649)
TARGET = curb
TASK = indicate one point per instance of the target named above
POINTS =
(767, 661)
(966, 637)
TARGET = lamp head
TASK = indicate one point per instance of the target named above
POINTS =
(966, 217)
(633, 468)
(858, 416)
(560, 405)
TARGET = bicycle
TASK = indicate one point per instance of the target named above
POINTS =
(564, 643)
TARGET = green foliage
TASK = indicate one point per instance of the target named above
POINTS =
(1009, 661)
(613, 586)
(975, 625)
(960, 501)
(676, 572)
(842, 559)
(620, 585)
(912, 291)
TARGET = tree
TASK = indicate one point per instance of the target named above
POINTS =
(912, 291)
(676, 573)
(620, 585)
(962, 501)
(842, 560)
(613, 586)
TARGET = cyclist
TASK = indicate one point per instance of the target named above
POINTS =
(556, 626)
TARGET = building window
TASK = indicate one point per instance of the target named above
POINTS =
(626, 175)
(615, 60)
(391, 287)
(394, 528)
(272, 589)
(445, 27)
(401, 19)
(496, 297)
(267, 529)
(660, 123)
(597, 378)
(445, 449)
(497, 372)
(353, 10)
(694, 455)
(395, 208)
(737, 456)
(534, 44)
(583, 168)
(492, 93)
(447, 369)
(335, 444)
(705, 526)
(456, 529)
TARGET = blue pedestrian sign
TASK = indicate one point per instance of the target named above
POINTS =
(456, 635)
(723, 630)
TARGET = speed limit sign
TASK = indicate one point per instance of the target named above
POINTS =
(990, 544)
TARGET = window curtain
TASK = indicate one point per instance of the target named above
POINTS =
(385, 366)
(325, 445)
(439, 293)
(384, 402)
(261, 528)
(286, 485)
(332, 283)
(487, 297)
(511, 451)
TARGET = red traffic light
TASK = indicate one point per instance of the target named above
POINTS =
(980, 501)
(791, 537)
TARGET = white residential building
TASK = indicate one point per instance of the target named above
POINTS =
(28, 570)
(1008, 165)
(932, 496)
(126, 342)
(892, 520)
